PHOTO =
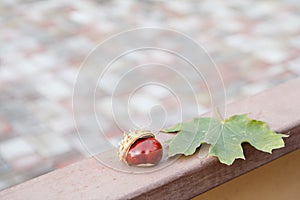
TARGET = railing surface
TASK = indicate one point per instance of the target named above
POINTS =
(187, 177)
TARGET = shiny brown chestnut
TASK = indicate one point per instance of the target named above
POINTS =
(140, 148)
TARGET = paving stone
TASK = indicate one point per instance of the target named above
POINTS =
(4, 168)
(294, 66)
(49, 144)
(255, 88)
(272, 56)
(14, 148)
(28, 164)
(5, 129)
(295, 41)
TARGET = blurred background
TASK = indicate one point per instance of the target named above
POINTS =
(255, 44)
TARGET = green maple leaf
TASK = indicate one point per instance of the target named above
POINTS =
(225, 137)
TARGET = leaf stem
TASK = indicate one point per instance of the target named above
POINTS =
(219, 116)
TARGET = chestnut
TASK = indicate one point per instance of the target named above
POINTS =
(140, 148)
